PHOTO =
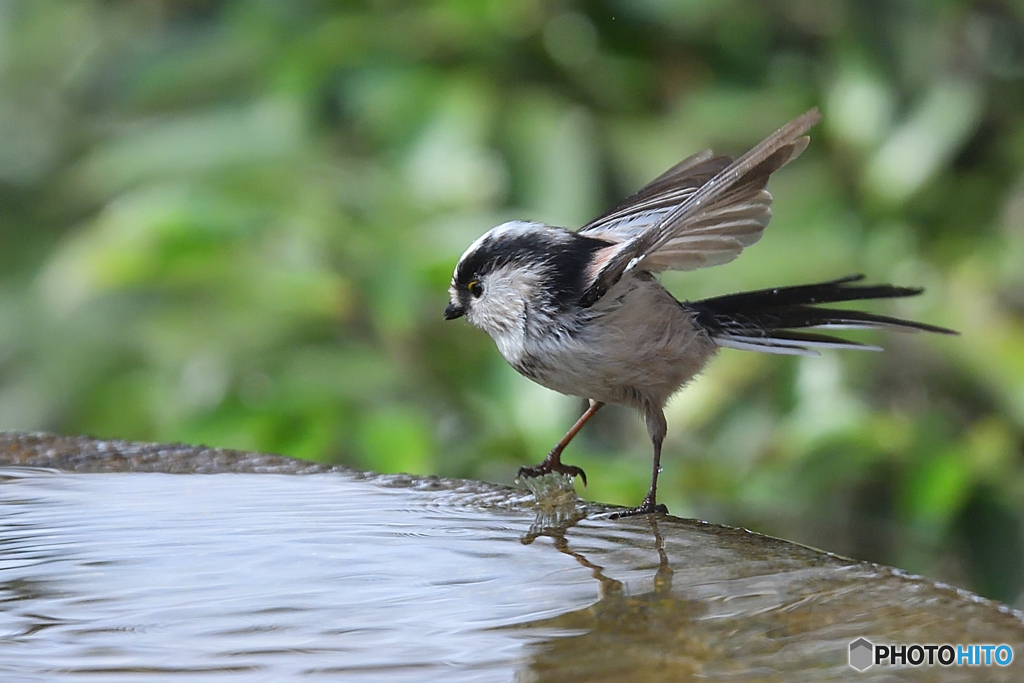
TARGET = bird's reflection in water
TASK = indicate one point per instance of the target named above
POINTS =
(555, 527)
(621, 637)
(726, 603)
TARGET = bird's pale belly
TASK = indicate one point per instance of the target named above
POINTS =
(620, 359)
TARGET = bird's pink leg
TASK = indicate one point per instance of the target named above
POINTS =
(553, 463)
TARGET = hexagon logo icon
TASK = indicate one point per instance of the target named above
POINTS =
(861, 654)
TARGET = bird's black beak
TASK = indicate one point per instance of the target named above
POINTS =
(453, 311)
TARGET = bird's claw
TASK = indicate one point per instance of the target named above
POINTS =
(548, 467)
(645, 508)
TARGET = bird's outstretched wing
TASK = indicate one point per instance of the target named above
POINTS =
(701, 212)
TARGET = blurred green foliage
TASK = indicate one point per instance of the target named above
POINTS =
(234, 223)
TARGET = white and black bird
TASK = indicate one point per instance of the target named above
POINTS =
(582, 312)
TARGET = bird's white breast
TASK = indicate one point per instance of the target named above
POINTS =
(636, 345)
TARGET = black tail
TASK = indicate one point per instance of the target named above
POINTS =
(765, 320)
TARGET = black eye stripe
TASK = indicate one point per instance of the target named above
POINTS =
(563, 258)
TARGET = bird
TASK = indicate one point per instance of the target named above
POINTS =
(584, 314)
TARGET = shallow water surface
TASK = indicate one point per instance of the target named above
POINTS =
(273, 573)
(342, 576)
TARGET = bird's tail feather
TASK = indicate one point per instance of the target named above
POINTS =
(767, 320)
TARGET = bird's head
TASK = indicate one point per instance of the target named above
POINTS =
(500, 275)
(518, 269)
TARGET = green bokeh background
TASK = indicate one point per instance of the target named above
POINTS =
(233, 223)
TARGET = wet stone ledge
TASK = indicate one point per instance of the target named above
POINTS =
(110, 566)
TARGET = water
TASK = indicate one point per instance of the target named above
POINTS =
(340, 576)
(282, 576)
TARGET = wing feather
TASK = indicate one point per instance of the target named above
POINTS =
(701, 212)
(654, 201)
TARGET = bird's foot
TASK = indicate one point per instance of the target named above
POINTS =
(645, 508)
(547, 467)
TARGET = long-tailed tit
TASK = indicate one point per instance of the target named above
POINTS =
(582, 312)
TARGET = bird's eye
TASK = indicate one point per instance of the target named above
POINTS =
(475, 288)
